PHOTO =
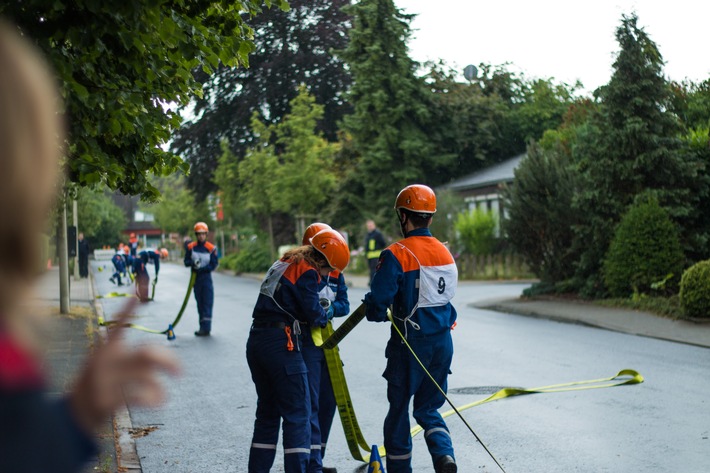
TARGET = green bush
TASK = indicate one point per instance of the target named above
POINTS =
(476, 231)
(254, 257)
(645, 256)
(695, 290)
(539, 219)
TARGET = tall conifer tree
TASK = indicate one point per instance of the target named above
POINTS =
(631, 147)
(392, 125)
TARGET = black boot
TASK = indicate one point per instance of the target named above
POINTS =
(202, 333)
(445, 464)
(329, 470)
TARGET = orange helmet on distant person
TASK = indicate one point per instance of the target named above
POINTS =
(417, 198)
(201, 227)
(312, 230)
(332, 246)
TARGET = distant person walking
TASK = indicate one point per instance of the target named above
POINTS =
(83, 256)
(374, 244)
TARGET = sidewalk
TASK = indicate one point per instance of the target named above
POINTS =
(69, 339)
(619, 320)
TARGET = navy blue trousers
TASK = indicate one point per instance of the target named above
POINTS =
(281, 380)
(204, 295)
(406, 379)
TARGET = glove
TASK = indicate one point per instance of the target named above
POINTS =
(369, 313)
(330, 312)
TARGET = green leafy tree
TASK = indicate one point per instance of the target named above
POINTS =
(476, 231)
(392, 126)
(291, 170)
(177, 211)
(543, 107)
(631, 146)
(448, 205)
(99, 218)
(472, 119)
(120, 65)
(226, 177)
(645, 251)
(539, 215)
(492, 117)
(691, 102)
(305, 157)
(292, 47)
(258, 187)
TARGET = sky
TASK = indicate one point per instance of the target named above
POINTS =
(567, 40)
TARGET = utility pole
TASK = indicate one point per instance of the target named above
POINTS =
(63, 257)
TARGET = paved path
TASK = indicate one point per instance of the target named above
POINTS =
(620, 320)
(69, 339)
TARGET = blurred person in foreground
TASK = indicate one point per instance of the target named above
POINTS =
(39, 433)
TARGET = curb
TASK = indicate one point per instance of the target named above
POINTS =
(127, 459)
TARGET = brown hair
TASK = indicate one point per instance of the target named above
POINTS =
(30, 136)
(307, 253)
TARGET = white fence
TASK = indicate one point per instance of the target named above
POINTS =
(104, 254)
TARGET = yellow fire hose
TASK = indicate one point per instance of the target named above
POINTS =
(328, 339)
(169, 330)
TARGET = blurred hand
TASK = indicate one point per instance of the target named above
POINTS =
(116, 374)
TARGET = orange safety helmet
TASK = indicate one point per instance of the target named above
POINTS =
(417, 198)
(312, 230)
(164, 253)
(201, 227)
(332, 245)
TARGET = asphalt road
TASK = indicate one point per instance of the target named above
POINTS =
(662, 425)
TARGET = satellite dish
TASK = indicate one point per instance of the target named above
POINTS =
(470, 72)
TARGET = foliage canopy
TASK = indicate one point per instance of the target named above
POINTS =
(120, 67)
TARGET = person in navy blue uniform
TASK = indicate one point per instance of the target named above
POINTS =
(201, 256)
(287, 307)
(140, 270)
(119, 264)
(133, 244)
(417, 276)
(333, 296)
(39, 432)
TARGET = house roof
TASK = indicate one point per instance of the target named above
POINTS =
(501, 172)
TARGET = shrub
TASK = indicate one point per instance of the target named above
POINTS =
(645, 255)
(476, 231)
(254, 257)
(695, 290)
